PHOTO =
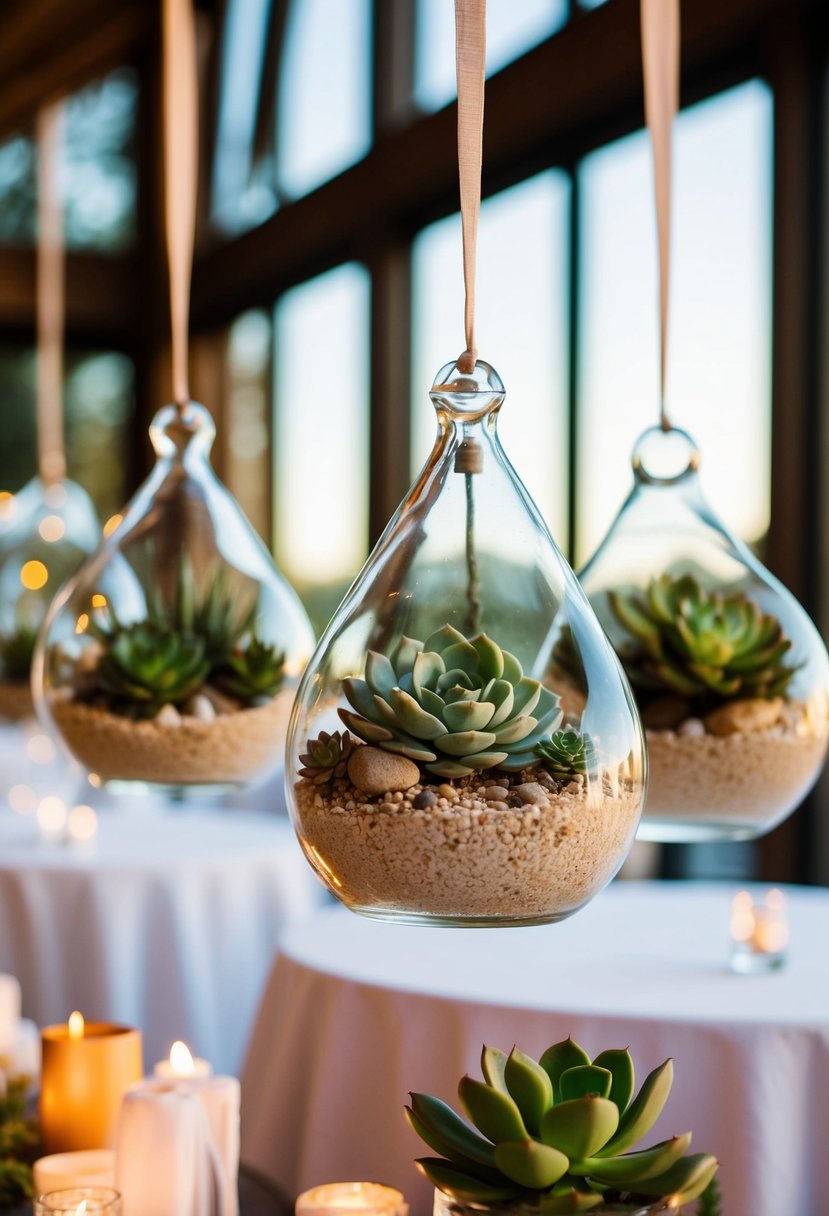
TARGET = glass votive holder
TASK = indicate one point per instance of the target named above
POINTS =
(79, 1201)
(351, 1199)
(759, 932)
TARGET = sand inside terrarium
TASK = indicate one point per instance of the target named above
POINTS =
(464, 857)
(231, 748)
(745, 779)
(16, 700)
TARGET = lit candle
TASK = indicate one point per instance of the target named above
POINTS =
(221, 1098)
(79, 1201)
(68, 1171)
(759, 932)
(10, 1008)
(351, 1199)
(182, 1065)
(86, 1069)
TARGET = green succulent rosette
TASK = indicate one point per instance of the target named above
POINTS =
(556, 1134)
(146, 666)
(707, 646)
(453, 704)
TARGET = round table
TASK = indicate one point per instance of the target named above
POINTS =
(357, 1013)
(167, 920)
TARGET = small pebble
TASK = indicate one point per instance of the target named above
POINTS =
(742, 717)
(531, 791)
(447, 791)
(168, 715)
(200, 707)
(497, 792)
(515, 800)
(692, 728)
(425, 798)
(377, 772)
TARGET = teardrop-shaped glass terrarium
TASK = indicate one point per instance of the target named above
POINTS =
(50, 529)
(434, 773)
(172, 657)
(730, 674)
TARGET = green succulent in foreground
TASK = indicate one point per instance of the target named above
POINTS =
(704, 645)
(557, 1133)
(258, 670)
(327, 757)
(456, 705)
(16, 650)
(567, 754)
(145, 666)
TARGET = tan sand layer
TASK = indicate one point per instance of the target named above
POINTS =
(16, 700)
(231, 748)
(747, 780)
(462, 857)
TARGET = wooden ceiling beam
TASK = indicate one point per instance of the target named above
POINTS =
(97, 304)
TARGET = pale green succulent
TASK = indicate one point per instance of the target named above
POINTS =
(703, 645)
(557, 1133)
(567, 754)
(453, 704)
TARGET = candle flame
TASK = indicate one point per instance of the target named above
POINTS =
(76, 1025)
(181, 1059)
(81, 1208)
(742, 917)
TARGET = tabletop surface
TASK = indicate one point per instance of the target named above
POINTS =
(151, 836)
(651, 950)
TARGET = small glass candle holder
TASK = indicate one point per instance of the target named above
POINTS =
(351, 1199)
(759, 932)
(79, 1201)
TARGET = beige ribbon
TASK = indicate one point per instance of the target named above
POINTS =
(180, 172)
(660, 63)
(470, 60)
(50, 296)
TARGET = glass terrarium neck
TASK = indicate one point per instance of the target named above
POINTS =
(180, 432)
(467, 392)
(664, 455)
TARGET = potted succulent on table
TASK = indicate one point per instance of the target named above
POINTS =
(556, 1137)
(187, 693)
(714, 678)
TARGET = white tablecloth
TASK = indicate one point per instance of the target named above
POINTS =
(358, 1012)
(168, 920)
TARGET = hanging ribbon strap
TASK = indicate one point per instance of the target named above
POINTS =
(180, 170)
(50, 293)
(660, 62)
(470, 58)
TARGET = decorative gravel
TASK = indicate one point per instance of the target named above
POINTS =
(743, 780)
(479, 852)
(232, 748)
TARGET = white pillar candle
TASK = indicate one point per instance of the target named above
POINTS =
(165, 1162)
(10, 1008)
(221, 1098)
(64, 1171)
(21, 1056)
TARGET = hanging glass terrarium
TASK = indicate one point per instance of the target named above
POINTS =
(172, 657)
(54, 528)
(730, 674)
(435, 772)
(731, 677)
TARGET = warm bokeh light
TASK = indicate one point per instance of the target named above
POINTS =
(40, 749)
(51, 528)
(111, 524)
(99, 601)
(75, 1025)
(8, 506)
(181, 1059)
(82, 823)
(742, 917)
(22, 799)
(51, 814)
(34, 575)
(81, 623)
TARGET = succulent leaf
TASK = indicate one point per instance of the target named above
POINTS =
(584, 1080)
(620, 1066)
(558, 1058)
(580, 1126)
(146, 666)
(448, 1127)
(494, 1114)
(456, 705)
(327, 757)
(257, 670)
(493, 1066)
(634, 1168)
(454, 1181)
(567, 754)
(684, 1181)
(530, 1164)
(530, 1087)
(708, 646)
(643, 1111)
